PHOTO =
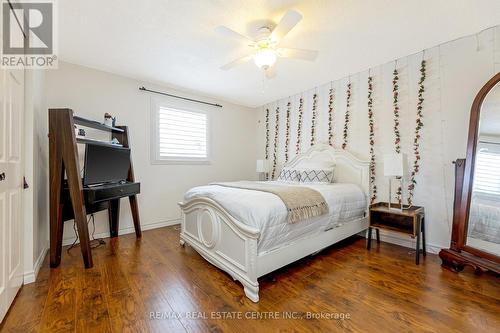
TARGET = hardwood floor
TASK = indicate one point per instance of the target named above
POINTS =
(381, 290)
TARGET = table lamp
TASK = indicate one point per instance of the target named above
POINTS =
(395, 167)
(262, 169)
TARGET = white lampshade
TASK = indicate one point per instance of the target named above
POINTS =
(262, 166)
(395, 165)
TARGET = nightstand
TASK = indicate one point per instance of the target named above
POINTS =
(410, 221)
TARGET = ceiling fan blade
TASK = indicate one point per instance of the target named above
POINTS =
(286, 24)
(309, 55)
(237, 62)
(226, 32)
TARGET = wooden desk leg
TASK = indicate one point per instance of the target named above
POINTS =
(424, 252)
(369, 240)
(114, 217)
(417, 254)
(377, 232)
(81, 226)
(56, 225)
(56, 236)
(135, 215)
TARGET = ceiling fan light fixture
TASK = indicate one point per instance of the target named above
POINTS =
(266, 44)
(265, 58)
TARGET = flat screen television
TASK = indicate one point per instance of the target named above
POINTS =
(105, 164)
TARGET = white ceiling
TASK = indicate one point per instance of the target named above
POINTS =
(173, 41)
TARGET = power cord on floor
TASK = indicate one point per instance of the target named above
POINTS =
(100, 241)
(76, 234)
(94, 242)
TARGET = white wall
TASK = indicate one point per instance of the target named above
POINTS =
(455, 73)
(91, 93)
(36, 173)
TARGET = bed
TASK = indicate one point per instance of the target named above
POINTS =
(243, 232)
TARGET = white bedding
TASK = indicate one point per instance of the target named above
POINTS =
(266, 212)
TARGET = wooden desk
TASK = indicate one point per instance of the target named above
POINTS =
(77, 201)
(410, 221)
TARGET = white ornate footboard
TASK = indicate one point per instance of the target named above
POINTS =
(222, 240)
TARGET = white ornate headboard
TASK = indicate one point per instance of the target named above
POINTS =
(348, 168)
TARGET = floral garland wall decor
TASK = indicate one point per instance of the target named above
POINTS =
(330, 117)
(347, 116)
(267, 134)
(395, 104)
(267, 138)
(276, 136)
(287, 133)
(313, 119)
(299, 125)
(397, 134)
(418, 127)
(371, 124)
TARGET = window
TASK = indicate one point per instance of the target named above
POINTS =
(181, 135)
(487, 172)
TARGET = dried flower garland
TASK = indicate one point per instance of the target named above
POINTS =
(313, 119)
(395, 104)
(419, 125)
(371, 124)
(267, 138)
(299, 125)
(287, 133)
(330, 117)
(276, 135)
(347, 116)
(267, 134)
(397, 135)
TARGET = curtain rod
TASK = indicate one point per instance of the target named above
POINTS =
(180, 97)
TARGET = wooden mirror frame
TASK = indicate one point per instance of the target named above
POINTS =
(460, 254)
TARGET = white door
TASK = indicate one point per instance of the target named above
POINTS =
(11, 185)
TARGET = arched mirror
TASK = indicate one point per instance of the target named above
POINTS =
(475, 239)
(483, 227)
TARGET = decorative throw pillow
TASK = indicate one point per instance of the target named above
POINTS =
(318, 176)
(289, 175)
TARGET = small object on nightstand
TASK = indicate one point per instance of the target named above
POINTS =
(410, 221)
(396, 167)
(262, 169)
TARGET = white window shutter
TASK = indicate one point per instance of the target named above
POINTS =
(182, 135)
(487, 173)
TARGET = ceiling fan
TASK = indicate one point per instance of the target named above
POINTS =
(265, 46)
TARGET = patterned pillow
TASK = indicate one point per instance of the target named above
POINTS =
(289, 175)
(317, 176)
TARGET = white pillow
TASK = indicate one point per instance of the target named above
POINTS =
(317, 176)
(289, 175)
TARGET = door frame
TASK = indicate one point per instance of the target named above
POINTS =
(20, 77)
